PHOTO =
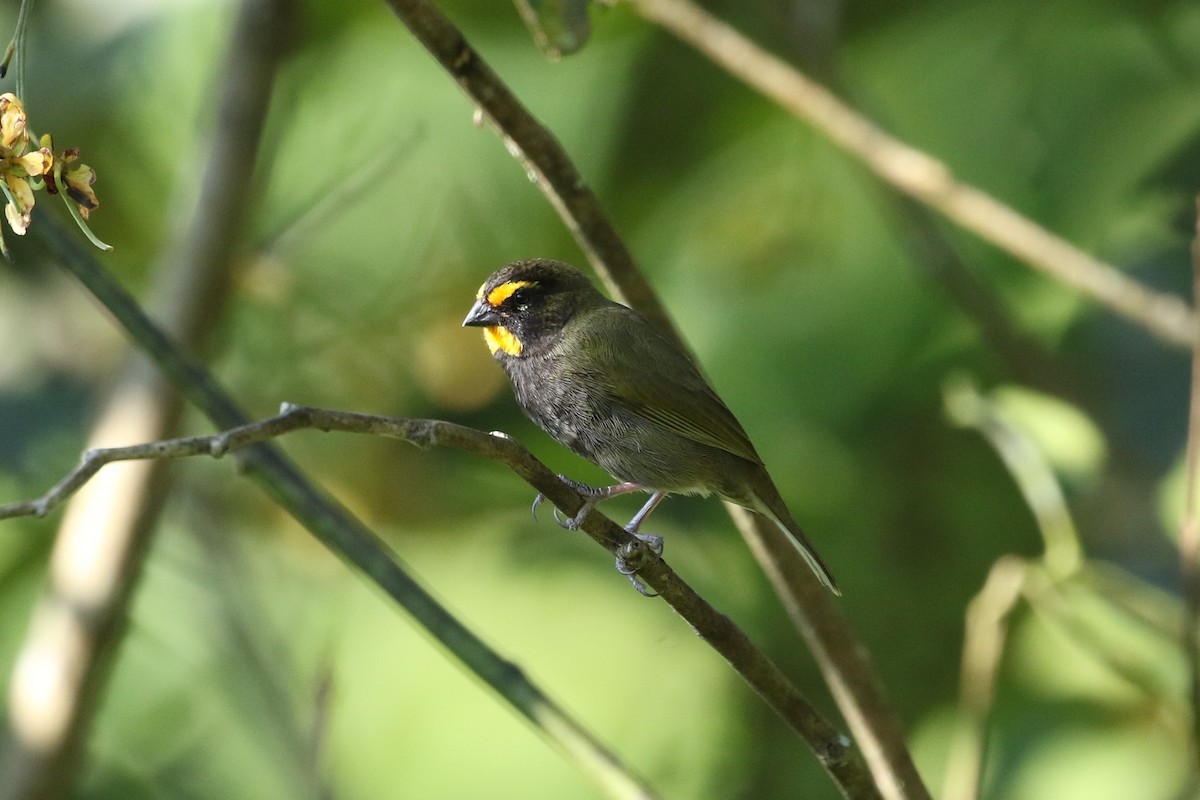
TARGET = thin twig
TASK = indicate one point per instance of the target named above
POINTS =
(16, 48)
(984, 637)
(830, 747)
(986, 625)
(923, 177)
(1189, 534)
(965, 406)
(1066, 606)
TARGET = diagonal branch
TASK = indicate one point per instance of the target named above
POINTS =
(841, 657)
(923, 177)
(543, 157)
(830, 747)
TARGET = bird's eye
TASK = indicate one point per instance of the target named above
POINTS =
(519, 298)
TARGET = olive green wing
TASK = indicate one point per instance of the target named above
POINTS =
(649, 375)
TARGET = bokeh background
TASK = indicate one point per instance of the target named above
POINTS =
(812, 297)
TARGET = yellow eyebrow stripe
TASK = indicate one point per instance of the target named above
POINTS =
(505, 290)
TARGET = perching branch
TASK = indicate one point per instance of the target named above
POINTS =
(830, 747)
(341, 532)
(923, 177)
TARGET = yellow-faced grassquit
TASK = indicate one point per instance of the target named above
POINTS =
(602, 380)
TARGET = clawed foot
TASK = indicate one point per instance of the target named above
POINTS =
(637, 556)
(631, 557)
(591, 495)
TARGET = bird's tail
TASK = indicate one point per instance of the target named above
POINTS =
(797, 537)
(778, 513)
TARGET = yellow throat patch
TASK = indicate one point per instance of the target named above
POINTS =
(499, 337)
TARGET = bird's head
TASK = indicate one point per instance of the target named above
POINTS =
(526, 304)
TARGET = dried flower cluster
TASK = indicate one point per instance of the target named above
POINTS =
(27, 166)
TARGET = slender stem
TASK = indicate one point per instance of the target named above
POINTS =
(16, 48)
(842, 658)
(1063, 553)
(1189, 534)
(82, 223)
(923, 177)
(984, 638)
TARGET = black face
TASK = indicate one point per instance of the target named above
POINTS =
(527, 303)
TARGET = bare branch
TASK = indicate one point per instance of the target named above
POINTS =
(341, 532)
(923, 177)
(830, 747)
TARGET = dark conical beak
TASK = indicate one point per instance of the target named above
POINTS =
(481, 315)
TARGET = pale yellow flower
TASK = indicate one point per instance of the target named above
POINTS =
(25, 167)
(12, 121)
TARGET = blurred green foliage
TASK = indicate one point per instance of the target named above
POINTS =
(381, 208)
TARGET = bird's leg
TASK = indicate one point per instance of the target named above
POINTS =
(633, 557)
(635, 524)
(591, 495)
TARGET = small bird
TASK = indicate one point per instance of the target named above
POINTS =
(605, 382)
